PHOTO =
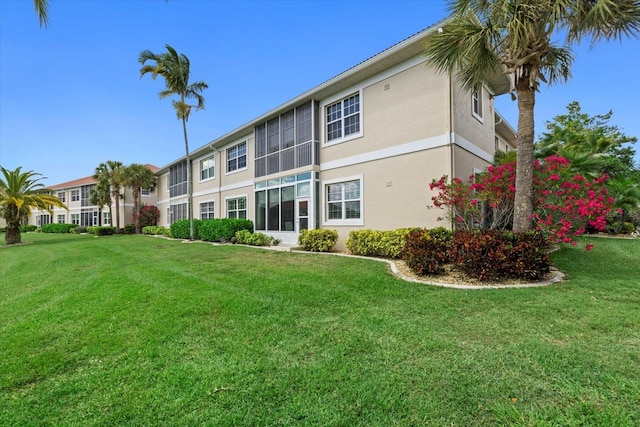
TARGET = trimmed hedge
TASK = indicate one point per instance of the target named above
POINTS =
(493, 254)
(245, 237)
(375, 243)
(427, 251)
(156, 230)
(318, 240)
(223, 229)
(28, 228)
(104, 230)
(180, 229)
(58, 228)
(78, 230)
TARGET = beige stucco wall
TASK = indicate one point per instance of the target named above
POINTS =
(395, 191)
(395, 109)
(468, 126)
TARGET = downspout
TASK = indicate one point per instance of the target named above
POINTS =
(451, 136)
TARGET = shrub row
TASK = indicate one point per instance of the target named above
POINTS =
(318, 240)
(28, 228)
(57, 228)
(211, 230)
(493, 254)
(375, 243)
(78, 230)
(104, 230)
(427, 251)
(156, 230)
(245, 237)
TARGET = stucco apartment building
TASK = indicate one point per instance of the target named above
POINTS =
(357, 151)
(76, 194)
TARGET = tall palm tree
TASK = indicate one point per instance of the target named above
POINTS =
(174, 68)
(137, 177)
(484, 38)
(101, 196)
(19, 193)
(109, 174)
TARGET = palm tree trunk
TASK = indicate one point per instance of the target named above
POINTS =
(12, 232)
(523, 209)
(116, 195)
(136, 210)
(189, 186)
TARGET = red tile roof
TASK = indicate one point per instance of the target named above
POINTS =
(88, 180)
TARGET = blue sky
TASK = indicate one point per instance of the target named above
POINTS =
(71, 96)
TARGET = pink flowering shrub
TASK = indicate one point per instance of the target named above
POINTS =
(565, 204)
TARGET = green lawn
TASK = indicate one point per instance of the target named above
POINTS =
(135, 330)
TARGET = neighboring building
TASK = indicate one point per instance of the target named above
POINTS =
(75, 195)
(357, 151)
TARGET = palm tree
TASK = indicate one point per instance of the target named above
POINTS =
(484, 38)
(101, 196)
(109, 174)
(137, 177)
(174, 68)
(19, 193)
(42, 10)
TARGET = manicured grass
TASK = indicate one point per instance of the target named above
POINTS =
(135, 330)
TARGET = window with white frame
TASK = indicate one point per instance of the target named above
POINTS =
(237, 157)
(62, 195)
(343, 201)
(207, 168)
(476, 103)
(146, 192)
(61, 218)
(343, 118)
(75, 218)
(75, 195)
(106, 218)
(207, 210)
(237, 207)
(177, 212)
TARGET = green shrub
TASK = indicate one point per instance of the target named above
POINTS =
(386, 244)
(223, 229)
(180, 229)
(79, 229)
(28, 228)
(245, 237)
(129, 229)
(427, 251)
(155, 230)
(57, 228)
(493, 254)
(104, 230)
(318, 240)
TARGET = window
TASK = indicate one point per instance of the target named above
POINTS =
(476, 103)
(237, 157)
(343, 118)
(85, 192)
(146, 192)
(75, 195)
(62, 195)
(237, 208)
(275, 201)
(177, 212)
(75, 219)
(178, 179)
(344, 201)
(207, 170)
(206, 210)
(61, 219)
(106, 218)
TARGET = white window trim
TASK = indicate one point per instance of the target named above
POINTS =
(207, 201)
(199, 163)
(226, 159)
(480, 93)
(342, 222)
(237, 196)
(323, 119)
